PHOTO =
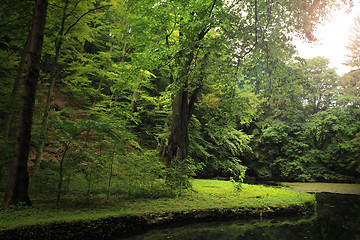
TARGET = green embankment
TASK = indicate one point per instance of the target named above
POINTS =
(209, 200)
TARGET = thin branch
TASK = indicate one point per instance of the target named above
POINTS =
(170, 59)
(16, 6)
(22, 16)
(269, 15)
(207, 29)
(256, 33)
(54, 5)
(194, 95)
(203, 33)
(255, 43)
(167, 36)
(91, 10)
(212, 8)
(249, 51)
(73, 9)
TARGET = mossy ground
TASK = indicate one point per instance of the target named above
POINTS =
(205, 195)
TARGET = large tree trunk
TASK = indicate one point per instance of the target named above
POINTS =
(178, 144)
(182, 110)
(17, 186)
(15, 92)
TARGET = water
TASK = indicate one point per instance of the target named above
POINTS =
(337, 218)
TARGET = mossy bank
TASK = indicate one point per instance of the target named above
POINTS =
(210, 200)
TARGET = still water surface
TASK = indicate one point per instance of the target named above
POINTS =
(337, 218)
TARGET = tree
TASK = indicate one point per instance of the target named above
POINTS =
(332, 137)
(14, 28)
(217, 132)
(350, 82)
(17, 186)
(187, 33)
(73, 14)
(354, 45)
(321, 85)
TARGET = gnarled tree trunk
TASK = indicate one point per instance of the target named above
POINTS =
(182, 110)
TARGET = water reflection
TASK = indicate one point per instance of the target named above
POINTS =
(337, 218)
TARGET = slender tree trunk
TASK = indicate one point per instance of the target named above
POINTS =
(53, 76)
(103, 76)
(135, 95)
(107, 67)
(110, 177)
(124, 53)
(110, 174)
(61, 175)
(17, 186)
(89, 183)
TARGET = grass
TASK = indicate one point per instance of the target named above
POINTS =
(206, 194)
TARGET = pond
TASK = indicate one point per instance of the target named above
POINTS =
(337, 218)
(342, 188)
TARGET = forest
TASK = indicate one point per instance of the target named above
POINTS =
(138, 97)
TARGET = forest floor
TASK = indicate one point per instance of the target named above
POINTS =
(207, 199)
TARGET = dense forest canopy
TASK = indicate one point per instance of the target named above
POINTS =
(142, 95)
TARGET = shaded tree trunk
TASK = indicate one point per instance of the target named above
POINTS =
(110, 175)
(9, 112)
(182, 110)
(135, 95)
(184, 101)
(61, 174)
(17, 186)
(178, 144)
(103, 76)
(15, 91)
(53, 76)
(54, 72)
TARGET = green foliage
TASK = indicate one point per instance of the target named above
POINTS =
(333, 132)
(217, 136)
(350, 83)
(178, 176)
(118, 66)
(206, 194)
(321, 86)
(238, 181)
(323, 148)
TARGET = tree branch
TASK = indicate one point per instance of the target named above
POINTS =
(255, 43)
(194, 95)
(170, 59)
(67, 31)
(73, 9)
(212, 8)
(168, 35)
